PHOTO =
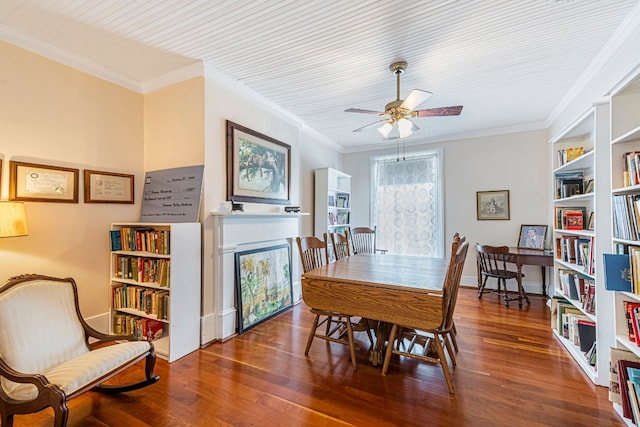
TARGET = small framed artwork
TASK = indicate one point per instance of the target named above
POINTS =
(107, 187)
(492, 205)
(31, 182)
(263, 284)
(532, 237)
(258, 167)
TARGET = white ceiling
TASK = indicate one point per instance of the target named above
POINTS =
(512, 64)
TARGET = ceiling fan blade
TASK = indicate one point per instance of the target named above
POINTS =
(415, 98)
(442, 111)
(358, 110)
(370, 125)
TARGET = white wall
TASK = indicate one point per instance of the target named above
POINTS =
(226, 100)
(516, 162)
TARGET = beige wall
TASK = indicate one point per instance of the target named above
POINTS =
(174, 126)
(55, 115)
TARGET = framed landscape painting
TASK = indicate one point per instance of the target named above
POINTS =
(263, 284)
(492, 204)
(258, 167)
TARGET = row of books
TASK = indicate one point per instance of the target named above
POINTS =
(140, 327)
(339, 201)
(626, 216)
(141, 239)
(151, 301)
(569, 184)
(622, 270)
(577, 250)
(338, 218)
(574, 325)
(624, 382)
(578, 288)
(570, 218)
(569, 154)
(632, 314)
(143, 270)
(631, 168)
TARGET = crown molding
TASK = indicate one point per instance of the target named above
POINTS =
(64, 57)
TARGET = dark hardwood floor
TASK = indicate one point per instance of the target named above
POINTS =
(511, 372)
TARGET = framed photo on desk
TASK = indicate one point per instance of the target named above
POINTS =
(532, 237)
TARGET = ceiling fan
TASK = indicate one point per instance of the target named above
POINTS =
(397, 114)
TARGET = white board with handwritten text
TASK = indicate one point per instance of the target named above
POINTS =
(172, 195)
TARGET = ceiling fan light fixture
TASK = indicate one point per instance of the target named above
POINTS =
(405, 127)
(385, 129)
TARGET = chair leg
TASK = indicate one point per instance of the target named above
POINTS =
(367, 326)
(312, 334)
(484, 282)
(352, 347)
(437, 344)
(61, 413)
(6, 420)
(454, 340)
(447, 344)
(387, 355)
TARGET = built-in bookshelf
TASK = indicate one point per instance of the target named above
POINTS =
(625, 206)
(581, 315)
(332, 201)
(155, 285)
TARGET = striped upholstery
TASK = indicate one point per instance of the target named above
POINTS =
(40, 333)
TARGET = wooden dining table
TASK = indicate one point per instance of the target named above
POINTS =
(401, 289)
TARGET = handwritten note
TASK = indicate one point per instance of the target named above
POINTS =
(172, 195)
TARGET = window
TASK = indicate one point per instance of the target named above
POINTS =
(407, 204)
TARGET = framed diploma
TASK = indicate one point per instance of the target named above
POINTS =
(107, 187)
(33, 182)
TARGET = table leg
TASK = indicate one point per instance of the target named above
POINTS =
(376, 355)
(521, 293)
(544, 280)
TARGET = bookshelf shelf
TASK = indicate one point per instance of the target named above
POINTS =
(579, 357)
(575, 201)
(332, 201)
(173, 306)
(625, 190)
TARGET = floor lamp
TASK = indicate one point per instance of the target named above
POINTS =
(13, 219)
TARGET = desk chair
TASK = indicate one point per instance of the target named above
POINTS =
(492, 262)
(432, 340)
(314, 253)
(364, 240)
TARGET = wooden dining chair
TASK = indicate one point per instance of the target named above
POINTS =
(492, 263)
(341, 246)
(342, 249)
(314, 253)
(364, 240)
(433, 341)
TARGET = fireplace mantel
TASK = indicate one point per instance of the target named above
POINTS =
(241, 231)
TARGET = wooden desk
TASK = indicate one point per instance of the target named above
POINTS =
(522, 257)
(398, 289)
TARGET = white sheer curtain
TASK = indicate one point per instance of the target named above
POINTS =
(408, 205)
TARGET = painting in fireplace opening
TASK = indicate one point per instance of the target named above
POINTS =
(263, 284)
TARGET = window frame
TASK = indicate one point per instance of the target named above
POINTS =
(440, 199)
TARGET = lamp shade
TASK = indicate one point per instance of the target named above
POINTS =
(13, 219)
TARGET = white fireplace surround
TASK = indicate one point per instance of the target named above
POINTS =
(238, 232)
